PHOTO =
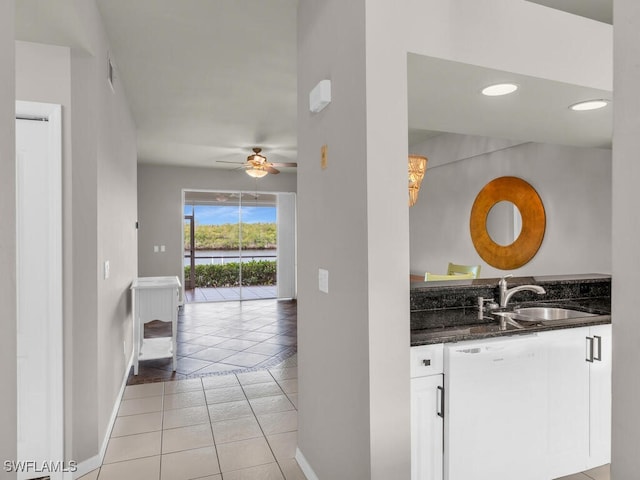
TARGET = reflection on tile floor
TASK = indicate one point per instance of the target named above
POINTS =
(229, 337)
(223, 427)
(224, 294)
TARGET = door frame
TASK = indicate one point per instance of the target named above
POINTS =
(54, 369)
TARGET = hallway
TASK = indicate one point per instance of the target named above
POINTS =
(228, 413)
(221, 427)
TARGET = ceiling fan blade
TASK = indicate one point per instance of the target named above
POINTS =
(270, 169)
(284, 164)
(225, 161)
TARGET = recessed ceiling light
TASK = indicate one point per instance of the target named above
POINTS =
(499, 89)
(589, 105)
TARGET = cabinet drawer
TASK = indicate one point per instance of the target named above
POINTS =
(426, 360)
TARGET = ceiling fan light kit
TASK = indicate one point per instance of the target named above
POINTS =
(257, 165)
(256, 158)
(256, 172)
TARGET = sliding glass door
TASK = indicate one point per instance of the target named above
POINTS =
(231, 253)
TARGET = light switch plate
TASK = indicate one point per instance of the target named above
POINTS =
(156, 249)
(323, 280)
(162, 248)
(107, 269)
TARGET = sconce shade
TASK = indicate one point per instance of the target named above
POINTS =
(417, 167)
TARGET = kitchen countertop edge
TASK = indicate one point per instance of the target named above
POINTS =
(461, 333)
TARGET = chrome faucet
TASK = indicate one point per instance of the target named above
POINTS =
(507, 293)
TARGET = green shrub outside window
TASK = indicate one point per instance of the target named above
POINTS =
(255, 272)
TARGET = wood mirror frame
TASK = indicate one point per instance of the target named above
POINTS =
(527, 200)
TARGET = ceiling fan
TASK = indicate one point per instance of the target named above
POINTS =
(257, 165)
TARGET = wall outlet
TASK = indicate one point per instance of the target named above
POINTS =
(107, 269)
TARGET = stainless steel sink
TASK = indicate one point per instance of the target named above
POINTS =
(548, 313)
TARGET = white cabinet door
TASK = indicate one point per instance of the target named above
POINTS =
(426, 428)
(579, 417)
(568, 401)
(600, 397)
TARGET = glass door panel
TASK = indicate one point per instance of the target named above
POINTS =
(259, 245)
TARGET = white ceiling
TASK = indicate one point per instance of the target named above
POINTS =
(208, 80)
(445, 96)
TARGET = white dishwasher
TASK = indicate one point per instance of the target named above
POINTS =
(496, 409)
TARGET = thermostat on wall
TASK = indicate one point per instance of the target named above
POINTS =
(320, 96)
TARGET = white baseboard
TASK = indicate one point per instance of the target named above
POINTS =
(305, 467)
(94, 462)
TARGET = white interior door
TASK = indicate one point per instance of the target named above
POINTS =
(39, 287)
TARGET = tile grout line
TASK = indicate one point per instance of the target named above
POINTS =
(260, 425)
(213, 436)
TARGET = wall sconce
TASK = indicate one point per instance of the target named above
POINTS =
(417, 167)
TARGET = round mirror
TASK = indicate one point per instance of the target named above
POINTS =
(526, 200)
(504, 223)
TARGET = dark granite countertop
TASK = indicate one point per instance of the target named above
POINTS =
(458, 324)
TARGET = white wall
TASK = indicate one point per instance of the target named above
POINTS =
(99, 210)
(116, 156)
(388, 240)
(8, 410)
(353, 342)
(333, 350)
(626, 232)
(573, 183)
(160, 208)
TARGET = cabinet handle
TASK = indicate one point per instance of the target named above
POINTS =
(426, 362)
(589, 350)
(440, 402)
(598, 357)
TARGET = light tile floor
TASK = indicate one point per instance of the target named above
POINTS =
(228, 427)
(600, 473)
